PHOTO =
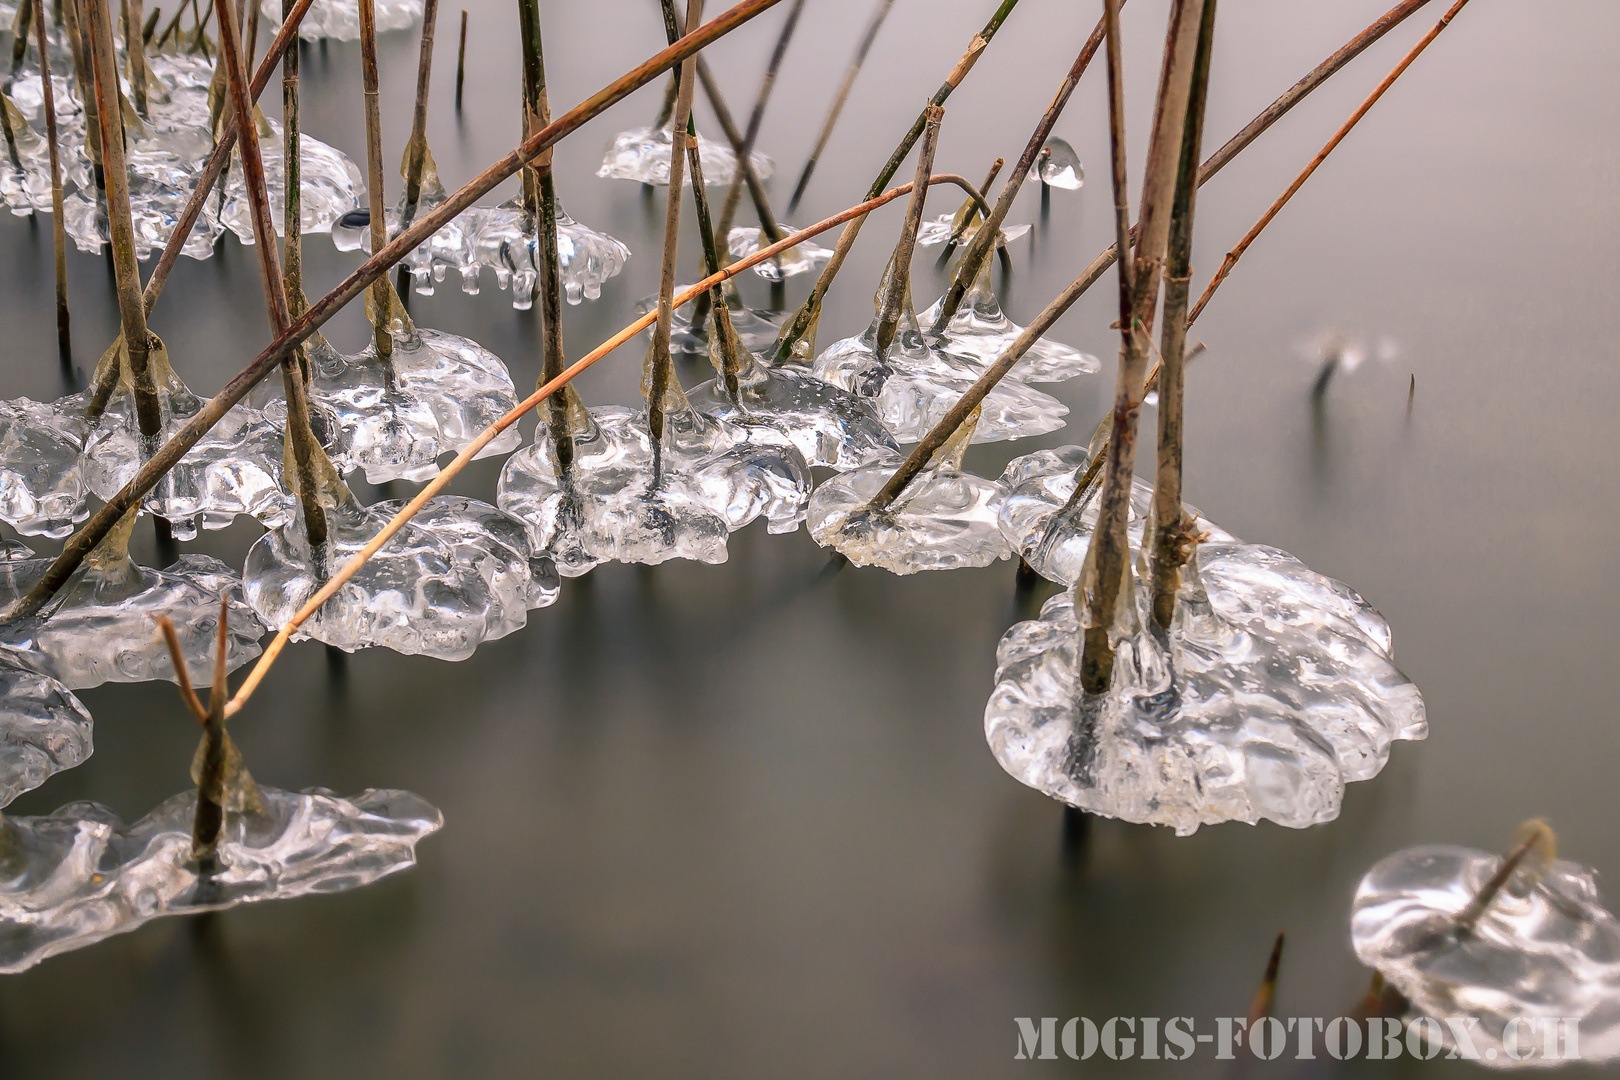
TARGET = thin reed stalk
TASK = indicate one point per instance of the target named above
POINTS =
(894, 297)
(64, 341)
(461, 60)
(756, 117)
(873, 25)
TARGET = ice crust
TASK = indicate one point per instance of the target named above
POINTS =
(937, 230)
(642, 155)
(980, 332)
(44, 729)
(340, 19)
(714, 478)
(331, 185)
(1542, 948)
(42, 490)
(79, 875)
(828, 425)
(803, 258)
(458, 574)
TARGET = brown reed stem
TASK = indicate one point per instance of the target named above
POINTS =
(416, 149)
(380, 292)
(807, 315)
(20, 27)
(756, 117)
(292, 261)
(1174, 535)
(537, 113)
(1266, 996)
(210, 815)
(300, 436)
(1110, 553)
(132, 313)
(135, 50)
(1532, 835)
(980, 247)
(1236, 253)
(64, 342)
(894, 298)
(461, 59)
(873, 25)
(489, 434)
(100, 523)
(745, 163)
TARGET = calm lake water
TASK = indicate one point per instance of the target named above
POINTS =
(741, 821)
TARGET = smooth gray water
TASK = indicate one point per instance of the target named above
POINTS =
(740, 821)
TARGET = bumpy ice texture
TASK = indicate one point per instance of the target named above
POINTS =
(743, 241)
(980, 332)
(44, 729)
(642, 155)
(332, 186)
(340, 19)
(42, 491)
(828, 425)
(940, 229)
(1542, 948)
(79, 875)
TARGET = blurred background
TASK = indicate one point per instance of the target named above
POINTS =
(741, 821)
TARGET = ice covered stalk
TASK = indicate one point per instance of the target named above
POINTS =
(962, 220)
(1236, 253)
(537, 114)
(364, 276)
(1533, 838)
(381, 294)
(804, 319)
(980, 247)
(135, 50)
(899, 276)
(658, 359)
(1173, 533)
(212, 755)
(416, 149)
(1110, 551)
(19, 46)
(292, 259)
(300, 438)
(58, 231)
(131, 309)
(728, 210)
(873, 25)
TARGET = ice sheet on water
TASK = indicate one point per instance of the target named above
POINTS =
(44, 729)
(79, 875)
(100, 627)
(915, 385)
(608, 506)
(980, 332)
(643, 155)
(944, 520)
(938, 230)
(233, 469)
(1542, 948)
(458, 574)
(1058, 166)
(331, 186)
(743, 241)
(430, 398)
(1035, 490)
(1272, 689)
(42, 491)
(340, 19)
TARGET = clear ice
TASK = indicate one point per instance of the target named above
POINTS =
(79, 875)
(101, 626)
(340, 19)
(44, 729)
(331, 186)
(940, 229)
(458, 574)
(1058, 166)
(430, 398)
(980, 332)
(233, 469)
(1272, 689)
(1542, 948)
(42, 490)
(743, 241)
(712, 478)
(643, 155)
(585, 257)
(756, 328)
(915, 385)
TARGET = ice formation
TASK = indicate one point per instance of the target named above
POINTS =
(1544, 947)
(743, 241)
(42, 490)
(1058, 166)
(611, 504)
(458, 574)
(99, 627)
(643, 155)
(944, 519)
(585, 257)
(43, 728)
(233, 469)
(340, 19)
(330, 186)
(940, 229)
(980, 332)
(431, 397)
(1272, 689)
(79, 875)
(915, 385)
(757, 329)
(1049, 534)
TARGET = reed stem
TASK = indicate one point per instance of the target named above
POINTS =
(380, 292)
(745, 163)
(894, 298)
(64, 341)
(461, 59)
(81, 543)
(135, 50)
(728, 210)
(416, 149)
(873, 25)
(1173, 534)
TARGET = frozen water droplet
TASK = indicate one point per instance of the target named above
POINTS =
(1058, 166)
(743, 241)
